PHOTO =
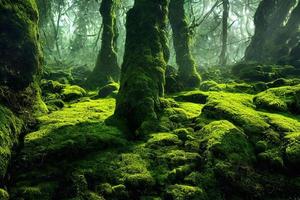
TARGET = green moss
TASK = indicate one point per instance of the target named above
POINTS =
(144, 65)
(209, 86)
(282, 99)
(260, 72)
(292, 150)
(272, 159)
(4, 195)
(77, 129)
(282, 122)
(10, 129)
(225, 141)
(185, 192)
(236, 108)
(158, 140)
(20, 51)
(176, 158)
(193, 96)
(72, 92)
(108, 90)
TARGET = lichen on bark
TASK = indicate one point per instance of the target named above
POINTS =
(143, 69)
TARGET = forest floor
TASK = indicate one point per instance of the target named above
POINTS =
(211, 145)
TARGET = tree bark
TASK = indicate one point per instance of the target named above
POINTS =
(269, 20)
(107, 68)
(143, 69)
(223, 55)
(19, 47)
(188, 76)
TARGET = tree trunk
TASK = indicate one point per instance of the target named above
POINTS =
(223, 55)
(107, 68)
(269, 21)
(81, 30)
(143, 69)
(19, 47)
(188, 76)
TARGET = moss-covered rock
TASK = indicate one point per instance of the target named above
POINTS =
(238, 109)
(72, 92)
(226, 142)
(282, 99)
(110, 89)
(194, 96)
(185, 192)
(4, 195)
(292, 150)
(209, 86)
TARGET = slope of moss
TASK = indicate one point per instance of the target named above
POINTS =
(220, 148)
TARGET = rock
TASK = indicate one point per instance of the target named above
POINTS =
(72, 92)
(194, 96)
(109, 90)
(282, 99)
(210, 86)
(185, 192)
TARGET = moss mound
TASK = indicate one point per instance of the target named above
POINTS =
(282, 99)
(220, 148)
(10, 130)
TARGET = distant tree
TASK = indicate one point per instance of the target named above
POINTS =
(275, 23)
(223, 55)
(81, 22)
(107, 67)
(143, 69)
(188, 76)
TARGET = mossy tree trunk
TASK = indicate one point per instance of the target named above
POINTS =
(188, 76)
(107, 67)
(223, 55)
(19, 47)
(143, 69)
(270, 21)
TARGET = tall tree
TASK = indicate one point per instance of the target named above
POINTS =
(143, 69)
(188, 76)
(19, 47)
(223, 55)
(107, 67)
(270, 20)
(81, 30)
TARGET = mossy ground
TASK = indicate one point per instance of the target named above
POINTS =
(206, 145)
